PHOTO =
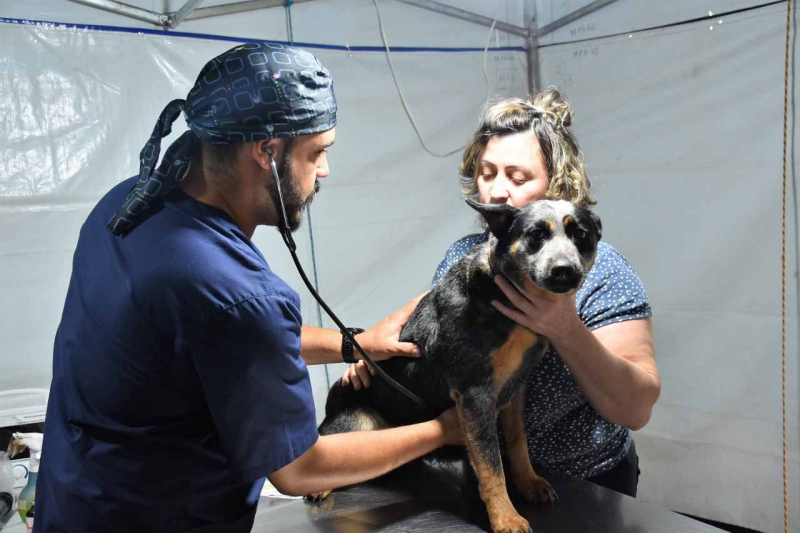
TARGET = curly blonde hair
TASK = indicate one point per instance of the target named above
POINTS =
(549, 116)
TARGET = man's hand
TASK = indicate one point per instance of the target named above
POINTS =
(554, 318)
(382, 340)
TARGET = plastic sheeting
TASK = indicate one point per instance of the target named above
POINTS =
(78, 104)
(682, 130)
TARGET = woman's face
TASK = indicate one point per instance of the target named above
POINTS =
(511, 171)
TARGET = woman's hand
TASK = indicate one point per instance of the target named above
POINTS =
(358, 374)
(555, 318)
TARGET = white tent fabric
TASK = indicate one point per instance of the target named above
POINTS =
(78, 104)
(681, 128)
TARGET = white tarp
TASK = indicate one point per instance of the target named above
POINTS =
(78, 104)
(681, 128)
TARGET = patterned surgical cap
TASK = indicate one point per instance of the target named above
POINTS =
(252, 92)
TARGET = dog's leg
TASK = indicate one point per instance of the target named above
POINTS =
(532, 486)
(476, 409)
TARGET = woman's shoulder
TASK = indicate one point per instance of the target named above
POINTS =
(467, 242)
(610, 259)
(456, 251)
(612, 291)
(463, 245)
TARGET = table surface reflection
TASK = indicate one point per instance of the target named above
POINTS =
(442, 496)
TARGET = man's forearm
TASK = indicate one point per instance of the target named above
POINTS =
(347, 458)
(320, 346)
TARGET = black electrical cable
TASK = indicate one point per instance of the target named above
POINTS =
(287, 238)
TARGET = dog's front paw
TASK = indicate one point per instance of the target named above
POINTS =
(318, 496)
(538, 490)
(511, 524)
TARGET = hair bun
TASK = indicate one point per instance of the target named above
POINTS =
(553, 107)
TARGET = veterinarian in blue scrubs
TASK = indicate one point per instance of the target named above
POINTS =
(179, 366)
(600, 380)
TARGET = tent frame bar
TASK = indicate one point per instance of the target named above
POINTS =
(469, 16)
(238, 7)
(572, 17)
(188, 12)
(178, 17)
(530, 33)
(127, 10)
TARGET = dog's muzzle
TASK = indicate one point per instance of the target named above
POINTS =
(563, 278)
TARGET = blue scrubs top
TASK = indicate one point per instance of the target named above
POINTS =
(177, 376)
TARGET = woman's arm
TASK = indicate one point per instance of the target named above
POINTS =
(614, 365)
(381, 341)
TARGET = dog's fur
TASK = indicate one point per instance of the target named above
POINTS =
(474, 356)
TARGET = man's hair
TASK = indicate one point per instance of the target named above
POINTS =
(549, 116)
(221, 157)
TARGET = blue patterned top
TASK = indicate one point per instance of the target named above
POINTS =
(565, 433)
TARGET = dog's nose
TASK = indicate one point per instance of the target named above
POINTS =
(563, 274)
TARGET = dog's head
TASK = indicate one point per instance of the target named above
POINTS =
(552, 243)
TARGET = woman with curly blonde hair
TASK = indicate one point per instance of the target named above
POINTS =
(600, 380)
(548, 117)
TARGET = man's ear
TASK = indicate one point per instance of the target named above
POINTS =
(498, 216)
(263, 151)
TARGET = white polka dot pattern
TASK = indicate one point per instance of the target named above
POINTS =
(565, 434)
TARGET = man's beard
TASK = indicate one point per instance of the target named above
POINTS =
(293, 200)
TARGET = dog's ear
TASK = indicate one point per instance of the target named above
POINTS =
(597, 224)
(498, 216)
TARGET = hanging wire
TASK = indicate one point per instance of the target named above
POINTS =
(290, 38)
(289, 33)
(400, 92)
(783, 262)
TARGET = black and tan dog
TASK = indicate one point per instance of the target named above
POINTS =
(474, 356)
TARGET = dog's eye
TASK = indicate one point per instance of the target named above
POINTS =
(537, 234)
(580, 233)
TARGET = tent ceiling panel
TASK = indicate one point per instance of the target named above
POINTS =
(356, 21)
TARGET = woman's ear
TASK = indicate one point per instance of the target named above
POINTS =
(597, 224)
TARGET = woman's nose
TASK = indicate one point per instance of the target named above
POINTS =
(499, 190)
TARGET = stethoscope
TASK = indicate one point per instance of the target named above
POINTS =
(283, 227)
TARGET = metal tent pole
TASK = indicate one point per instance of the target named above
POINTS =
(575, 15)
(238, 7)
(182, 13)
(127, 10)
(532, 45)
(466, 15)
